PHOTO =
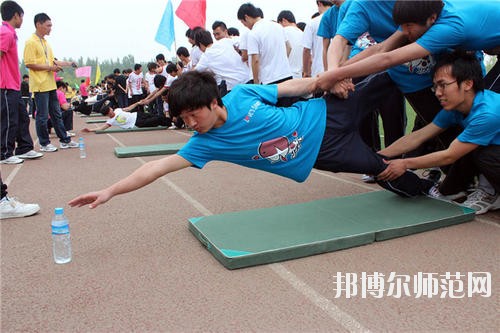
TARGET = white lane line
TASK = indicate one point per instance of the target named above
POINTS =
(13, 174)
(333, 311)
(344, 319)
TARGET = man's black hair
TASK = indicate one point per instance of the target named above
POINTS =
(116, 71)
(301, 25)
(159, 81)
(152, 66)
(26, 76)
(171, 68)
(41, 18)
(415, 11)
(233, 32)
(60, 84)
(137, 67)
(464, 66)
(160, 56)
(219, 24)
(204, 38)
(250, 10)
(191, 91)
(182, 51)
(9, 9)
(104, 109)
(326, 3)
(287, 15)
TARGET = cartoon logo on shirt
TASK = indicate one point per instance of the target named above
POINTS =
(280, 149)
(364, 41)
(421, 65)
(121, 119)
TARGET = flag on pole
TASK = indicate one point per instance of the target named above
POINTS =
(193, 12)
(166, 34)
(83, 71)
(97, 74)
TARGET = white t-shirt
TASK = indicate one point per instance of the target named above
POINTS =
(222, 59)
(312, 41)
(150, 80)
(195, 55)
(122, 119)
(268, 40)
(294, 36)
(170, 79)
(135, 82)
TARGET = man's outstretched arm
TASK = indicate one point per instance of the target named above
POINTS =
(143, 176)
(297, 87)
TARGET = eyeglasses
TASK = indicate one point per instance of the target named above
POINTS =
(442, 86)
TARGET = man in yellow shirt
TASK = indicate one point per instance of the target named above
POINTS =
(42, 66)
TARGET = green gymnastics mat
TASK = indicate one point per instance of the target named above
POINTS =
(254, 237)
(91, 115)
(148, 150)
(95, 121)
(134, 129)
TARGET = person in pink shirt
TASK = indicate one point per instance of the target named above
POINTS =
(15, 120)
(67, 110)
(83, 90)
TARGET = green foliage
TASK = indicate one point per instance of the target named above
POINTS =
(107, 66)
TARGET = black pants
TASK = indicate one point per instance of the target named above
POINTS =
(14, 123)
(343, 149)
(151, 120)
(392, 111)
(3, 188)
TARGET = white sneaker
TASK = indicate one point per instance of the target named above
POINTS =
(370, 179)
(71, 144)
(70, 134)
(172, 127)
(12, 160)
(435, 194)
(482, 202)
(30, 155)
(48, 148)
(10, 208)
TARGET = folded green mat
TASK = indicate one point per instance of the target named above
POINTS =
(96, 121)
(254, 237)
(148, 150)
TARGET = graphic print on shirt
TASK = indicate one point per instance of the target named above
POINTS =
(280, 149)
(121, 119)
(421, 65)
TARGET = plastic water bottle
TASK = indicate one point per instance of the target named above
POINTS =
(61, 242)
(81, 145)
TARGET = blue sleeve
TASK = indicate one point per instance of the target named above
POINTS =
(442, 36)
(444, 119)
(328, 24)
(266, 93)
(354, 24)
(482, 130)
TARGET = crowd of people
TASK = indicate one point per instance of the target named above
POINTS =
(308, 95)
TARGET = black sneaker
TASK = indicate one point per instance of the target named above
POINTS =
(434, 175)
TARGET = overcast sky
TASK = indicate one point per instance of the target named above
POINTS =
(108, 29)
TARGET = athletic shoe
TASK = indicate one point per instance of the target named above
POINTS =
(482, 202)
(48, 148)
(370, 179)
(71, 144)
(435, 194)
(434, 175)
(12, 160)
(30, 155)
(10, 208)
(70, 134)
(172, 127)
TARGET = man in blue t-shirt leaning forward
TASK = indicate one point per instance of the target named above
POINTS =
(247, 128)
(459, 86)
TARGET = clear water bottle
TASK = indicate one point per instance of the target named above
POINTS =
(81, 145)
(61, 242)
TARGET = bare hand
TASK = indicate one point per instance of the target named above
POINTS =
(326, 80)
(395, 168)
(85, 130)
(93, 199)
(341, 88)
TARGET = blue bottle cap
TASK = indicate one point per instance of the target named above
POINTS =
(59, 210)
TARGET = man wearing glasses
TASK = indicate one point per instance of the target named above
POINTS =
(459, 87)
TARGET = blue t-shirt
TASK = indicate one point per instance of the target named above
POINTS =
(375, 17)
(328, 24)
(468, 25)
(259, 135)
(481, 125)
